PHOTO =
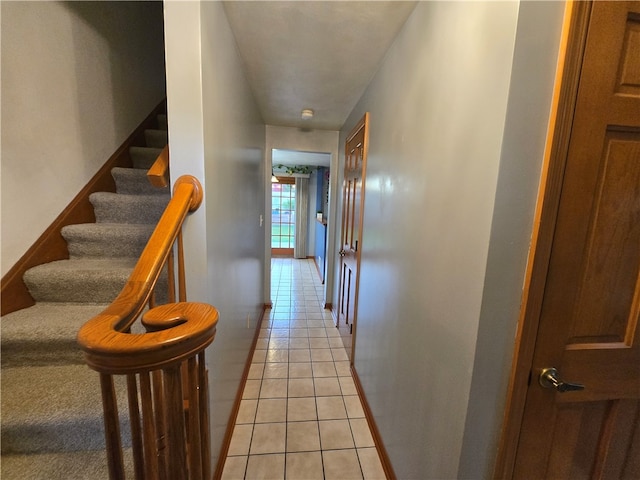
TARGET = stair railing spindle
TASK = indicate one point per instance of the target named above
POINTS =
(172, 277)
(112, 428)
(148, 427)
(194, 453)
(174, 419)
(136, 428)
(161, 439)
(182, 287)
(203, 392)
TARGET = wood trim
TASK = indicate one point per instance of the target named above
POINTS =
(282, 252)
(226, 441)
(286, 180)
(51, 246)
(158, 174)
(375, 433)
(573, 39)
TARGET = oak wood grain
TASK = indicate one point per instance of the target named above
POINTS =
(158, 174)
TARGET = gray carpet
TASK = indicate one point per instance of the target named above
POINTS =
(52, 424)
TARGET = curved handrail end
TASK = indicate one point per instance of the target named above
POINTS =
(175, 331)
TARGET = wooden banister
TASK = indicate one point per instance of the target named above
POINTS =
(158, 174)
(164, 366)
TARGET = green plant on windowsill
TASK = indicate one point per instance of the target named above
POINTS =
(291, 169)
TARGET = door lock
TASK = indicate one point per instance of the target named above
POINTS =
(549, 379)
(342, 253)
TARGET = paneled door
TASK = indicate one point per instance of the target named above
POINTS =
(582, 411)
(351, 233)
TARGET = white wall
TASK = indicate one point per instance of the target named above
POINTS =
(534, 65)
(77, 78)
(442, 167)
(216, 133)
(318, 141)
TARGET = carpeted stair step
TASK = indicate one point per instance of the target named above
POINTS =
(143, 157)
(118, 208)
(55, 408)
(45, 334)
(86, 280)
(87, 465)
(107, 239)
(134, 181)
(156, 138)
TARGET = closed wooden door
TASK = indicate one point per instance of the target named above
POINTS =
(591, 304)
(351, 233)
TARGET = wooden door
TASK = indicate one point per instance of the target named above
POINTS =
(351, 233)
(591, 302)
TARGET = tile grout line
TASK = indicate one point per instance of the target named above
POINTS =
(286, 407)
(303, 301)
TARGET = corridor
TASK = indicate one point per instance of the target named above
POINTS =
(300, 415)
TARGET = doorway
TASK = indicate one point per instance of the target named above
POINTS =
(351, 234)
(299, 223)
(283, 216)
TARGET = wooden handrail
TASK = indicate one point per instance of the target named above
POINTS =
(158, 174)
(165, 366)
(104, 339)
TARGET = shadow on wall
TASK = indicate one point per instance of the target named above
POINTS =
(126, 59)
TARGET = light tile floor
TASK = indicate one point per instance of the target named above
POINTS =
(300, 417)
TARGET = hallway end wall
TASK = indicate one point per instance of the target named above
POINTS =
(77, 79)
(217, 134)
(440, 162)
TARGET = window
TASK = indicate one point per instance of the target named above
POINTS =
(283, 216)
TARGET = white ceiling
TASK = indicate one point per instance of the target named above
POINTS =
(313, 54)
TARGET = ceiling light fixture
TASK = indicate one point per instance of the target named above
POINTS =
(307, 113)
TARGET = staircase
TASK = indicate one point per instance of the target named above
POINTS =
(52, 419)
